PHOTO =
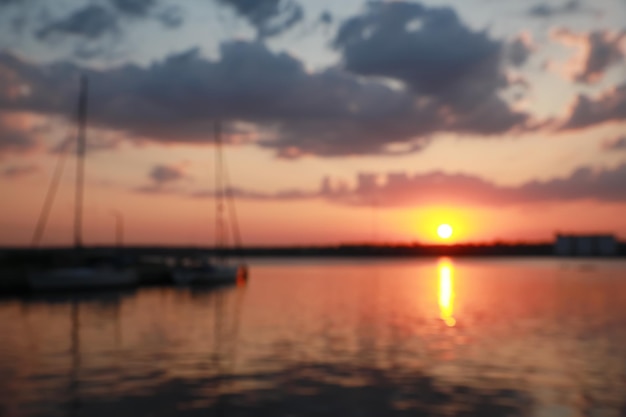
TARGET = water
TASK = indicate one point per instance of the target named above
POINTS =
(340, 338)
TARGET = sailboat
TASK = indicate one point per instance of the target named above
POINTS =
(82, 272)
(200, 270)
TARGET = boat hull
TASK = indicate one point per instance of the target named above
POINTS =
(82, 278)
(210, 275)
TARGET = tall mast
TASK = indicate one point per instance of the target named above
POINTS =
(80, 162)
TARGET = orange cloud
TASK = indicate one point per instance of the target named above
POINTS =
(596, 52)
(20, 132)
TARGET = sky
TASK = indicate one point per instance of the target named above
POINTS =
(343, 121)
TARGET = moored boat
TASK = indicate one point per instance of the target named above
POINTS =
(79, 272)
(82, 277)
(199, 270)
(206, 273)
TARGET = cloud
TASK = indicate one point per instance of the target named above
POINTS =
(286, 107)
(16, 134)
(240, 193)
(610, 106)
(616, 144)
(13, 140)
(177, 100)
(442, 61)
(8, 2)
(520, 49)
(166, 174)
(17, 171)
(136, 8)
(400, 189)
(546, 11)
(452, 80)
(95, 143)
(598, 51)
(171, 17)
(326, 18)
(163, 180)
(268, 17)
(95, 21)
(91, 22)
(429, 49)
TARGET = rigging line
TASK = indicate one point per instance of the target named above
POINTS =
(51, 193)
(80, 162)
(232, 207)
(219, 197)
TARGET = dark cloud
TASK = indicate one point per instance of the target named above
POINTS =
(520, 49)
(165, 174)
(429, 49)
(269, 17)
(608, 107)
(326, 113)
(87, 51)
(171, 17)
(297, 112)
(137, 8)
(326, 17)
(452, 77)
(163, 180)
(20, 3)
(584, 183)
(617, 144)
(49, 88)
(546, 10)
(17, 171)
(434, 54)
(403, 190)
(96, 21)
(91, 22)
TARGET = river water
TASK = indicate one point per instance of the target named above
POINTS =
(466, 337)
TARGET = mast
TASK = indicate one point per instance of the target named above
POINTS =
(80, 162)
(224, 199)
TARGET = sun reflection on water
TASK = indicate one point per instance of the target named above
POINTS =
(445, 269)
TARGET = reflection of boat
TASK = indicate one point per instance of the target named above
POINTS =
(80, 273)
(199, 270)
(110, 305)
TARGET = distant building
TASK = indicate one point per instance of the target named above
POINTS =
(585, 245)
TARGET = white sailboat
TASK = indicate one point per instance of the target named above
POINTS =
(81, 273)
(199, 270)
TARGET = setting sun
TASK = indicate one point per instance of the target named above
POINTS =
(444, 231)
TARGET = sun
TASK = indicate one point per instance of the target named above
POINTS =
(444, 231)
